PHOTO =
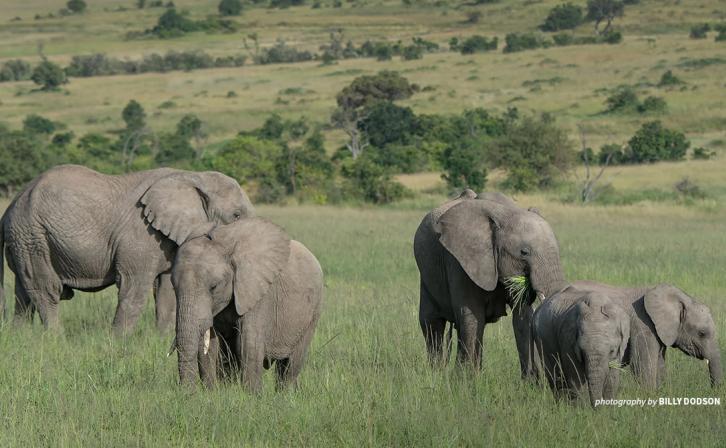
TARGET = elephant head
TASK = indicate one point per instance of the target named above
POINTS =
(493, 240)
(236, 262)
(682, 322)
(184, 204)
(602, 336)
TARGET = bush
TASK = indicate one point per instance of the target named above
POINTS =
(76, 6)
(612, 154)
(371, 181)
(702, 154)
(533, 151)
(368, 89)
(35, 124)
(523, 41)
(134, 116)
(652, 104)
(286, 3)
(22, 157)
(721, 36)
(477, 44)
(700, 31)
(563, 17)
(464, 165)
(173, 24)
(282, 53)
(473, 16)
(612, 37)
(15, 70)
(668, 79)
(412, 52)
(604, 10)
(689, 189)
(652, 143)
(48, 75)
(622, 99)
(230, 7)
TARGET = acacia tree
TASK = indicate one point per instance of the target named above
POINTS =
(604, 10)
(355, 100)
(48, 76)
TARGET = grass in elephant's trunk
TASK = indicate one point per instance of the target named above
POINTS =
(519, 288)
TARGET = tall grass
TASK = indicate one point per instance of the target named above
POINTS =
(367, 381)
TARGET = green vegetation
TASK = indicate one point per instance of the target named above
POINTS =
(48, 76)
(563, 17)
(230, 7)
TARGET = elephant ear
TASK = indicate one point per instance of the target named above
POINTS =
(175, 205)
(664, 304)
(261, 250)
(467, 231)
(613, 311)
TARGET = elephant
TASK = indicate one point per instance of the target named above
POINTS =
(73, 228)
(248, 297)
(578, 335)
(660, 317)
(465, 250)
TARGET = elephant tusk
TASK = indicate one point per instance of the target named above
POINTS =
(708, 362)
(172, 349)
(206, 341)
(541, 296)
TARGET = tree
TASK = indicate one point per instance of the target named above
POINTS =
(604, 10)
(76, 6)
(190, 127)
(35, 124)
(364, 91)
(464, 165)
(372, 181)
(134, 116)
(230, 7)
(652, 142)
(48, 75)
(15, 70)
(563, 17)
(22, 157)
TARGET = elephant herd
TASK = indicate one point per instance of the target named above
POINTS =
(468, 251)
(243, 296)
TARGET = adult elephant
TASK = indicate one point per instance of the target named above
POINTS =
(73, 228)
(464, 250)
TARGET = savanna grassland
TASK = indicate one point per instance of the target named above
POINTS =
(367, 381)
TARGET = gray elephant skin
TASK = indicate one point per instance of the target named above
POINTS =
(577, 334)
(464, 250)
(76, 229)
(663, 316)
(248, 297)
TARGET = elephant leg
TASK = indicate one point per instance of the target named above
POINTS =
(24, 308)
(522, 326)
(165, 299)
(433, 328)
(252, 356)
(132, 294)
(660, 373)
(470, 338)
(644, 354)
(289, 369)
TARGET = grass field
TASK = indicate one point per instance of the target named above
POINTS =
(367, 381)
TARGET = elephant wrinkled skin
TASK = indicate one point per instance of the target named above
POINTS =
(250, 294)
(464, 250)
(577, 334)
(75, 229)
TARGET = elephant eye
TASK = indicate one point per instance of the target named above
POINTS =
(701, 334)
(237, 215)
(525, 251)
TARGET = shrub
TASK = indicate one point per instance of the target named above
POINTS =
(92, 65)
(173, 24)
(412, 52)
(652, 143)
(700, 31)
(371, 181)
(48, 75)
(533, 151)
(689, 189)
(386, 123)
(230, 7)
(702, 154)
(604, 10)
(368, 89)
(35, 124)
(15, 70)
(563, 17)
(652, 104)
(622, 99)
(464, 165)
(721, 36)
(668, 79)
(611, 37)
(563, 39)
(282, 53)
(473, 16)
(285, 3)
(22, 157)
(172, 148)
(522, 41)
(477, 44)
(76, 6)
(612, 154)
(134, 116)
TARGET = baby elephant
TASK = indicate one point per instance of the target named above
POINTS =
(660, 317)
(250, 294)
(578, 336)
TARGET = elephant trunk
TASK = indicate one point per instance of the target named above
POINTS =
(596, 369)
(547, 275)
(714, 368)
(189, 337)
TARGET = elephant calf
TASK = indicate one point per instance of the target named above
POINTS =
(577, 335)
(662, 317)
(250, 294)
